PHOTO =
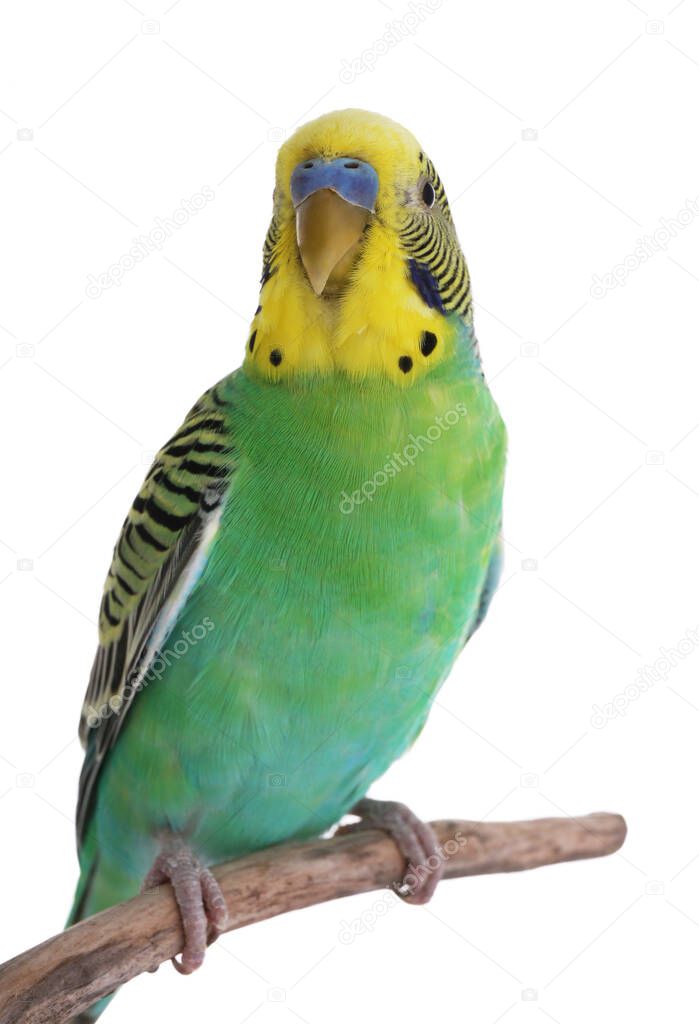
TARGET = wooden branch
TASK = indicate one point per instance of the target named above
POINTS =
(67, 973)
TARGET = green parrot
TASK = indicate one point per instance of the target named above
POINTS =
(308, 553)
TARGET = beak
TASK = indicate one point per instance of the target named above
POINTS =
(328, 228)
(334, 201)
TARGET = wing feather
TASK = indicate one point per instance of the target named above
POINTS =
(157, 559)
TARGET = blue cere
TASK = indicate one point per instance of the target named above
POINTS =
(354, 180)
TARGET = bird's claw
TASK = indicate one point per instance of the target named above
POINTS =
(415, 839)
(199, 898)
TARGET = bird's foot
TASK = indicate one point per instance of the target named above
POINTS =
(415, 839)
(199, 898)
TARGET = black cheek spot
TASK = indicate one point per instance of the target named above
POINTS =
(275, 357)
(405, 363)
(428, 343)
(251, 342)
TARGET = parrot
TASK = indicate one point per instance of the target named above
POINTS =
(308, 553)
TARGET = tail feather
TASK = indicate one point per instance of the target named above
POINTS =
(89, 899)
(90, 1015)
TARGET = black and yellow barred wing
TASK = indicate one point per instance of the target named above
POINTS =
(156, 560)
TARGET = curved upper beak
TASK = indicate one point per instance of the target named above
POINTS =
(334, 201)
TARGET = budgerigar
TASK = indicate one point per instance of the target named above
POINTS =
(308, 553)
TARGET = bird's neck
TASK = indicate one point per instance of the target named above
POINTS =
(379, 326)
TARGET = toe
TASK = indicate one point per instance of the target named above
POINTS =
(418, 843)
(420, 883)
(428, 870)
(214, 903)
(202, 908)
(194, 925)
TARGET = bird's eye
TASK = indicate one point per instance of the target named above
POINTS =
(428, 195)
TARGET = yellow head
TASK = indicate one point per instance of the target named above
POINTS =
(363, 272)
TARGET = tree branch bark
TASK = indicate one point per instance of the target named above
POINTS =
(68, 972)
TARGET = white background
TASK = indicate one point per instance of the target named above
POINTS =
(133, 109)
